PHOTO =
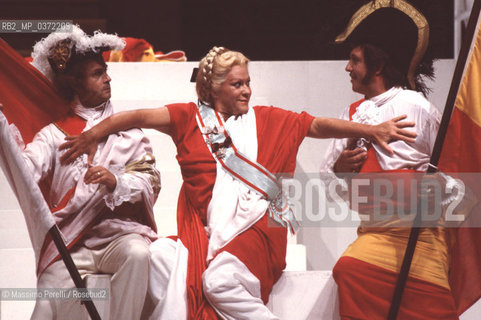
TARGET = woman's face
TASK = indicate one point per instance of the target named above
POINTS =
(233, 95)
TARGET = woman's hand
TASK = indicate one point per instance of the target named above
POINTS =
(102, 176)
(393, 130)
(78, 145)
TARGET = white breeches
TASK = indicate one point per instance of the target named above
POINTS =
(233, 290)
(127, 259)
(167, 282)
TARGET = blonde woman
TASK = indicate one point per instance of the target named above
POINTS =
(230, 155)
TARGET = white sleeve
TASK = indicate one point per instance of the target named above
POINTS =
(39, 154)
(432, 127)
(134, 181)
(427, 125)
(334, 149)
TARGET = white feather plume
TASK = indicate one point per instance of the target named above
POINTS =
(83, 44)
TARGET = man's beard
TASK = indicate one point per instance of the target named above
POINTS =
(367, 78)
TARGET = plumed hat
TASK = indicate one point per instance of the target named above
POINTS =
(52, 54)
(396, 27)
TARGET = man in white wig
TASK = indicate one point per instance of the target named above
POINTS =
(104, 209)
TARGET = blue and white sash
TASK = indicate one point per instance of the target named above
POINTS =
(240, 167)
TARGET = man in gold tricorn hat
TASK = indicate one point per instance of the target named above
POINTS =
(388, 40)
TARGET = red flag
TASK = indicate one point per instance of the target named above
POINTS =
(30, 103)
(461, 153)
(29, 99)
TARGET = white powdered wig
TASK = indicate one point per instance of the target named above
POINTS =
(83, 44)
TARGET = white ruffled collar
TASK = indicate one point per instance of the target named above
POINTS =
(368, 111)
(92, 115)
(384, 97)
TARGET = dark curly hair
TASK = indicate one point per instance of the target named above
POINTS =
(65, 80)
(377, 59)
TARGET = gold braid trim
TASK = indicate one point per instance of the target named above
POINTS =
(61, 129)
(403, 6)
(145, 165)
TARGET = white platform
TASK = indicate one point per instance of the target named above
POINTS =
(305, 295)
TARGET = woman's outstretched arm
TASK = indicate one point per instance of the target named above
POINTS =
(382, 133)
(158, 118)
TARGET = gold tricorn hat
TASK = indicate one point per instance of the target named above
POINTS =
(396, 27)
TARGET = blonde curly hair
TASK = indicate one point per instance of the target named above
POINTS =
(213, 69)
